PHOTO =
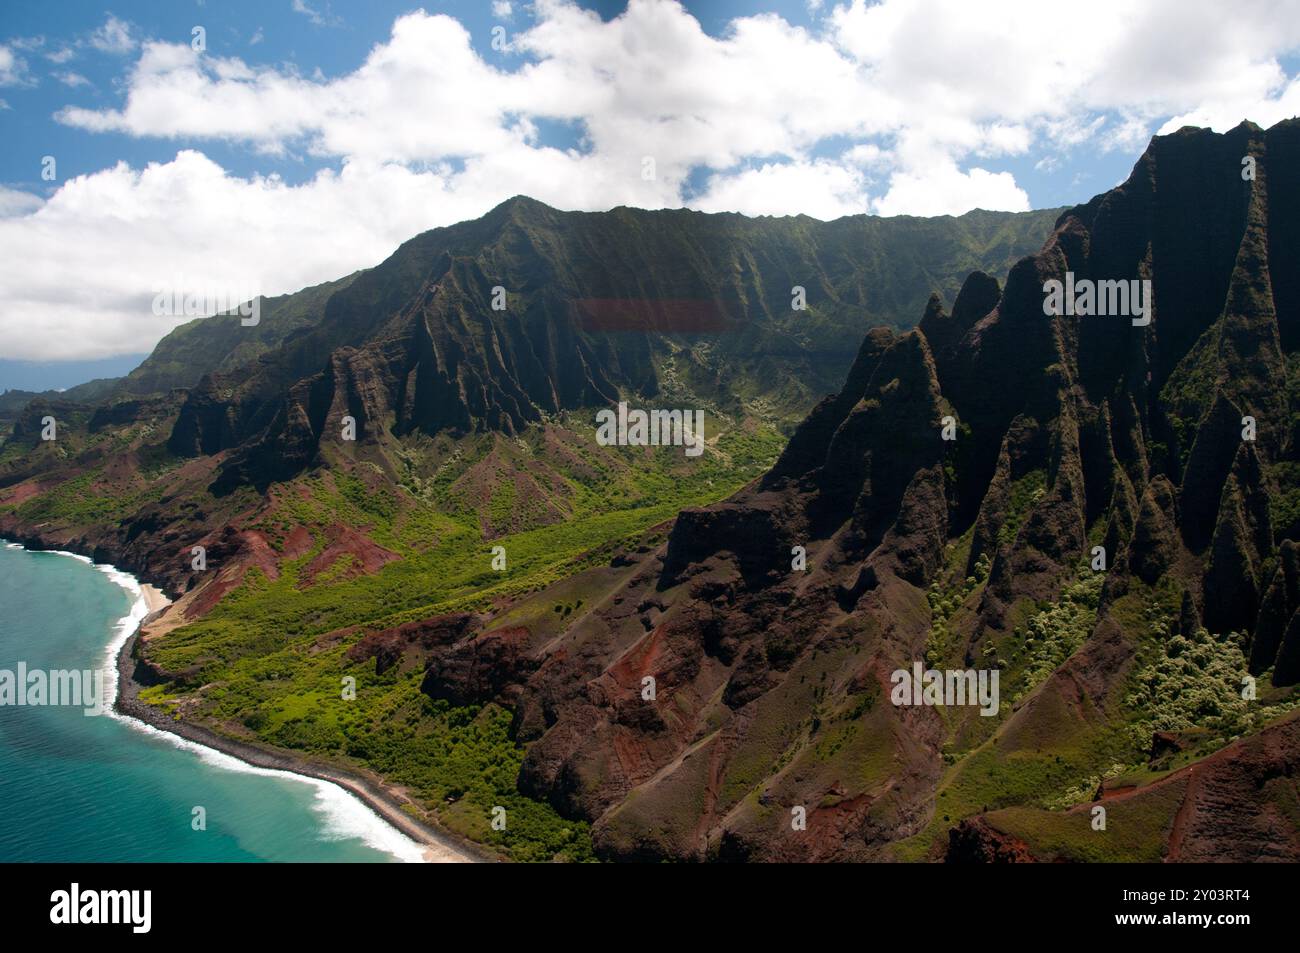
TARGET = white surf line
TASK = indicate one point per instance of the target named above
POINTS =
(345, 815)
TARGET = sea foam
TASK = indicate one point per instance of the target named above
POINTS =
(343, 815)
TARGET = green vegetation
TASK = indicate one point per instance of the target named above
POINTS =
(949, 593)
(1054, 634)
(223, 343)
(269, 659)
(1198, 685)
(944, 602)
(1284, 504)
(984, 775)
(1030, 787)
(1069, 835)
(79, 501)
(1025, 494)
(1190, 390)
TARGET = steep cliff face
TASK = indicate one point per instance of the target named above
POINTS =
(447, 362)
(465, 337)
(492, 325)
(1108, 482)
(1102, 509)
(745, 654)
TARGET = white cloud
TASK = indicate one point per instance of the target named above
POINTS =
(114, 36)
(822, 189)
(1224, 112)
(383, 110)
(1019, 59)
(318, 17)
(13, 69)
(15, 202)
(67, 295)
(940, 190)
(70, 79)
(27, 44)
(502, 9)
(894, 108)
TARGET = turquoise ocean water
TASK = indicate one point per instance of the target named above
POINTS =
(106, 788)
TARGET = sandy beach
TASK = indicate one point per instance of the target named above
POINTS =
(387, 802)
(154, 599)
(439, 846)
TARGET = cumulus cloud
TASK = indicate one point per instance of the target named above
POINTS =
(85, 265)
(13, 69)
(70, 79)
(941, 189)
(893, 108)
(1020, 59)
(114, 36)
(16, 202)
(826, 189)
(1024, 73)
(1220, 112)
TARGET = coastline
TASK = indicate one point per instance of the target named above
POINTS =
(154, 600)
(437, 846)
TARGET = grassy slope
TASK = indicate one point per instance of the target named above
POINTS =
(271, 657)
(1025, 775)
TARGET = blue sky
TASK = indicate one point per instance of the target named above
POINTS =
(307, 139)
(272, 34)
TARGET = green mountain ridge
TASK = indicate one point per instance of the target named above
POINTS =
(475, 430)
(1076, 435)
(905, 259)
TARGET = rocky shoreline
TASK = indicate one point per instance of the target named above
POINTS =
(441, 846)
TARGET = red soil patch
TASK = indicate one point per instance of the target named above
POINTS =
(1109, 793)
(231, 556)
(641, 660)
(298, 544)
(21, 493)
(368, 556)
(388, 646)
